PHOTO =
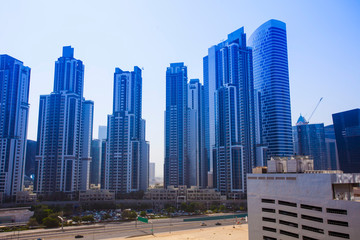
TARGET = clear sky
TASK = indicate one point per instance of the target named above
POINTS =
(323, 48)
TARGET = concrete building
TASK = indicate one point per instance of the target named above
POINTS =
(291, 201)
(96, 195)
(126, 165)
(64, 131)
(14, 110)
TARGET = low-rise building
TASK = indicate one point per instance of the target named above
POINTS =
(25, 197)
(296, 202)
(96, 195)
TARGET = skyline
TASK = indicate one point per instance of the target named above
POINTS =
(189, 44)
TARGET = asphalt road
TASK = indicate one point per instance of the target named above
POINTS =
(113, 230)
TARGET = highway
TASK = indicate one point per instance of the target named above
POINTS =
(113, 230)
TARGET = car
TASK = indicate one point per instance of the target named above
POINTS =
(203, 224)
(79, 236)
(218, 223)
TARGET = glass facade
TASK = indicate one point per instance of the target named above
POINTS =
(347, 132)
(14, 110)
(271, 83)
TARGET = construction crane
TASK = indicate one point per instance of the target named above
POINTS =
(315, 109)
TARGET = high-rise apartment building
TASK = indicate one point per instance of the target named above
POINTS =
(64, 131)
(197, 167)
(152, 173)
(229, 112)
(127, 152)
(347, 132)
(176, 123)
(30, 163)
(272, 93)
(14, 110)
(309, 139)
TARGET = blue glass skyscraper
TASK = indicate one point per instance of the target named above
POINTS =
(176, 123)
(64, 131)
(272, 94)
(230, 116)
(127, 153)
(14, 110)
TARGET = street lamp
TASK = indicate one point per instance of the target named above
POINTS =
(62, 223)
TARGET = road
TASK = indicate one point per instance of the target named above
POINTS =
(113, 230)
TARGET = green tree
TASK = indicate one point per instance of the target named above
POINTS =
(143, 214)
(51, 222)
(76, 219)
(127, 214)
(32, 223)
(88, 218)
(222, 208)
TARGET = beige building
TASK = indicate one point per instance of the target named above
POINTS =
(292, 201)
(96, 195)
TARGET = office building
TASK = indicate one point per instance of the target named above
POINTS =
(14, 110)
(309, 139)
(300, 203)
(230, 112)
(176, 123)
(197, 167)
(64, 131)
(271, 84)
(95, 165)
(347, 132)
(127, 152)
(152, 173)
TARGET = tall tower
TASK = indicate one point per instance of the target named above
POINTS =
(14, 110)
(127, 152)
(197, 166)
(271, 83)
(229, 109)
(176, 126)
(64, 131)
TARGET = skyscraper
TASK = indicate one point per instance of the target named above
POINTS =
(95, 166)
(127, 152)
(64, 131)
(14, 110)
(229, 112)
(347, 132)
(309, 139)
(102, 134)
(272, 94)
(198, 164)
(152, 173)
(176, 124)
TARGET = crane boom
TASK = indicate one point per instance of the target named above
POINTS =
(315, 109)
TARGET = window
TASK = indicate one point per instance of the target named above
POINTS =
(291, 224)
(294, 235)
(308, 238)
(290, 204)
(340, 235)
(265, 219)
(264, 200)
(291, 214)
(336, 211)
(268, 238)
(309, 207)
(311, 218)
(312, 229)
(270, 210)
(269, 229)
(339, 223)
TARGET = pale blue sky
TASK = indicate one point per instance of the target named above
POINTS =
(323, 48)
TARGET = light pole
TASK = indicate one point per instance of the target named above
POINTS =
(62, 223)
